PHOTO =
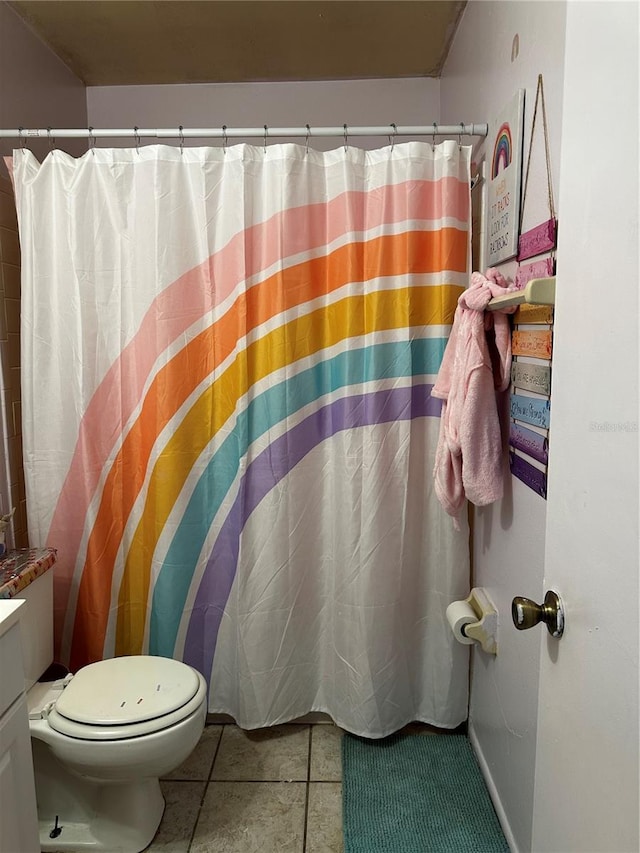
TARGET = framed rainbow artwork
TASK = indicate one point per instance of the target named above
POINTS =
(504, 146)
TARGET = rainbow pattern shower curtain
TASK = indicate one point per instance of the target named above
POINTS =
(227, 359)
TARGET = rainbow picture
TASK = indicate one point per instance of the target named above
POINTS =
(502, 150)
(503, 192)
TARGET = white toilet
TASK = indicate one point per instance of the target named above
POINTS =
(102, 738)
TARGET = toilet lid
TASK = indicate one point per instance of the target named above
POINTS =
(127, 691)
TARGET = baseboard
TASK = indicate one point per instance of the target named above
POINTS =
(493, 791)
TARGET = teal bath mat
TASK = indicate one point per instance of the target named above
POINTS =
(416, 794)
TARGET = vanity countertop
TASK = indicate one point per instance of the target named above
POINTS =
(19, 568)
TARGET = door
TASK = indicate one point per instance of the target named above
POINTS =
(586, 775)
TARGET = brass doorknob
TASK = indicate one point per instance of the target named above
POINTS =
(526, 613)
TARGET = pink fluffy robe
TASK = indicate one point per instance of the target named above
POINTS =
(475, 369)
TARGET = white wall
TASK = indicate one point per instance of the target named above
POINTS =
(479, 79)
(36, 88)
(586, 789)
(333, 103)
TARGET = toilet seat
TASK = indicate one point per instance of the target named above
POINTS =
(127, 697)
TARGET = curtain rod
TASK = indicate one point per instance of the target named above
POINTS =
(263, 132)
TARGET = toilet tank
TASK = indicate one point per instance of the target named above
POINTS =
(36, 627)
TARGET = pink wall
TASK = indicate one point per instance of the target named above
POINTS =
(356, 102)
(479, 78)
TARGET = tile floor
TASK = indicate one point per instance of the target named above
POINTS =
(276, 790)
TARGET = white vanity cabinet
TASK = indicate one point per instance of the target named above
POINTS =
(18, 813)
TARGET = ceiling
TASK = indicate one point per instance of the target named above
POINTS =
(129, 42)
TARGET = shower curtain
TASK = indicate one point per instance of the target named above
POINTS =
(227, 358)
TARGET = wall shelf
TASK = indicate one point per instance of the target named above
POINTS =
(538, 291)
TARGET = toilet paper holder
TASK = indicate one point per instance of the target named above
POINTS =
(485, 630)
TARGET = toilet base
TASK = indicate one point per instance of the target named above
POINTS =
(125, 819)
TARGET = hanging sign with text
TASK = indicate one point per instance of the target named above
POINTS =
(533, 314)
(528, 474)
(542, 238)
(531, 377)
(534, 344)
(538, 269)
(532, 443)
(503, 203)
(531, 410)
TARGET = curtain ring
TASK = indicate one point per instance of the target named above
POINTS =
(23, 142)
(460, 136)
(51, 140)
(137, 136)
(433, 137)
(180, 129)
(224, 138)
(306, 143)
(92, 142)
(392, 139)
(265, 139)
(345, 136)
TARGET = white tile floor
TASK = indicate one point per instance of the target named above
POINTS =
(276, 790)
